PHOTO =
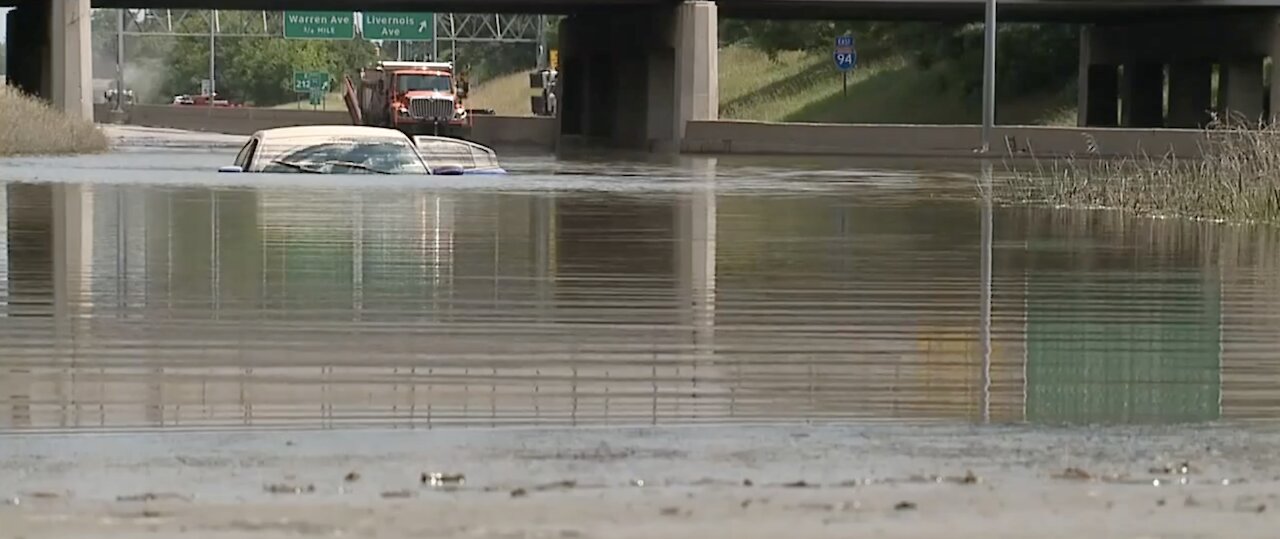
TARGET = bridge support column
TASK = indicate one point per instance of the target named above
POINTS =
(1098, 91)
(1098, 100)
(27, 48)
(50, 53)
(72, 58)
(698, 65)
(1240, 89)
(633, 78)
(1190, 94)
(1142, 88)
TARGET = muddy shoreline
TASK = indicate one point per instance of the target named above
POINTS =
(818, 481)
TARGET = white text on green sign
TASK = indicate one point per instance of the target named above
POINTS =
(310, 80)
(398, 26)
(319, 25)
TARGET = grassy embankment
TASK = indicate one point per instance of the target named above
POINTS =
(30, 127)
(805, 87)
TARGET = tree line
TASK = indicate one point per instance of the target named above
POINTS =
(259, 70)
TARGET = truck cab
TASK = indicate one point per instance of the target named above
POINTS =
(416, 98)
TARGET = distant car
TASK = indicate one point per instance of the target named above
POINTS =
(183, 100)
(473, 158)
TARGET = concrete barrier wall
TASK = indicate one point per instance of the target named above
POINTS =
(515, 131)
(231, 121)
(492, 130)
(731, 137)
(742, 137)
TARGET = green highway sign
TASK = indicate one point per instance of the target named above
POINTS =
(319, 25)
(307, 81)
(398, 26)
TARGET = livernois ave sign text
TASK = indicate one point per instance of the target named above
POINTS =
(398, 26)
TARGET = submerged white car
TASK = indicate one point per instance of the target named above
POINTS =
(473, 158)
(337, 149)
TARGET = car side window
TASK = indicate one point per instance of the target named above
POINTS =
(246, 154)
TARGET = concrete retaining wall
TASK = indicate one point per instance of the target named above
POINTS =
(492, 130)
(741, 137)
(731, 137)
(515, 131)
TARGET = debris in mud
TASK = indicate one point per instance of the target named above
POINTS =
(671, 511)
(283, 488)
(637, 482)
(1160, 502)
(969, 478)
(283, 525)
(42, 495)
(557, 485)
(145, 513)
(352, 477)
(443, 479)
(1185, 468)
(707, 481)
(1073, 473)
(747, 483)
(152, 496)
(390, 494)
(904, 506)
(817, 506)
(1191, 502)
(798, 484)
(519, 493)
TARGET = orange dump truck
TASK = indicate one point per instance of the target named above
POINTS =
(416, 98)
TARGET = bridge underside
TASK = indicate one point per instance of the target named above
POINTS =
(635, 71)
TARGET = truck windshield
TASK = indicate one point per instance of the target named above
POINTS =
(408, 83)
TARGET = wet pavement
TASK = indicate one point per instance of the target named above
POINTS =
(141, 289)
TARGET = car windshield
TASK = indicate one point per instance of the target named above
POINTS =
(437, 83)
(338, 156)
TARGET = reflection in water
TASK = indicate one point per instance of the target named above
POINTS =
(184, 306)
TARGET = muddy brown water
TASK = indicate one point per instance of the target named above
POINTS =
(139, 290)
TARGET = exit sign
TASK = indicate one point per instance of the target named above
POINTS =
(319, 25)
(398, 26)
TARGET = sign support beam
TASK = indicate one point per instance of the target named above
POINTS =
(988, 75)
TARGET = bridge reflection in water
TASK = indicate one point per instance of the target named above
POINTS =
(130, 306)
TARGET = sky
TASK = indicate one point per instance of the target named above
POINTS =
(3, 26)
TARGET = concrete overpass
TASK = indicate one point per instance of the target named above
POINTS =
(636, 72)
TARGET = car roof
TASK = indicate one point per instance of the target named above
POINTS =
(313, 131)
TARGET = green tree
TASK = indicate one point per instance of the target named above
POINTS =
(258, 70)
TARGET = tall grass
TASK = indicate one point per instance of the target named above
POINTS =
(29, 126)
(1236, 178)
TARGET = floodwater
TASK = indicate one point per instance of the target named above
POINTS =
(139, 290)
